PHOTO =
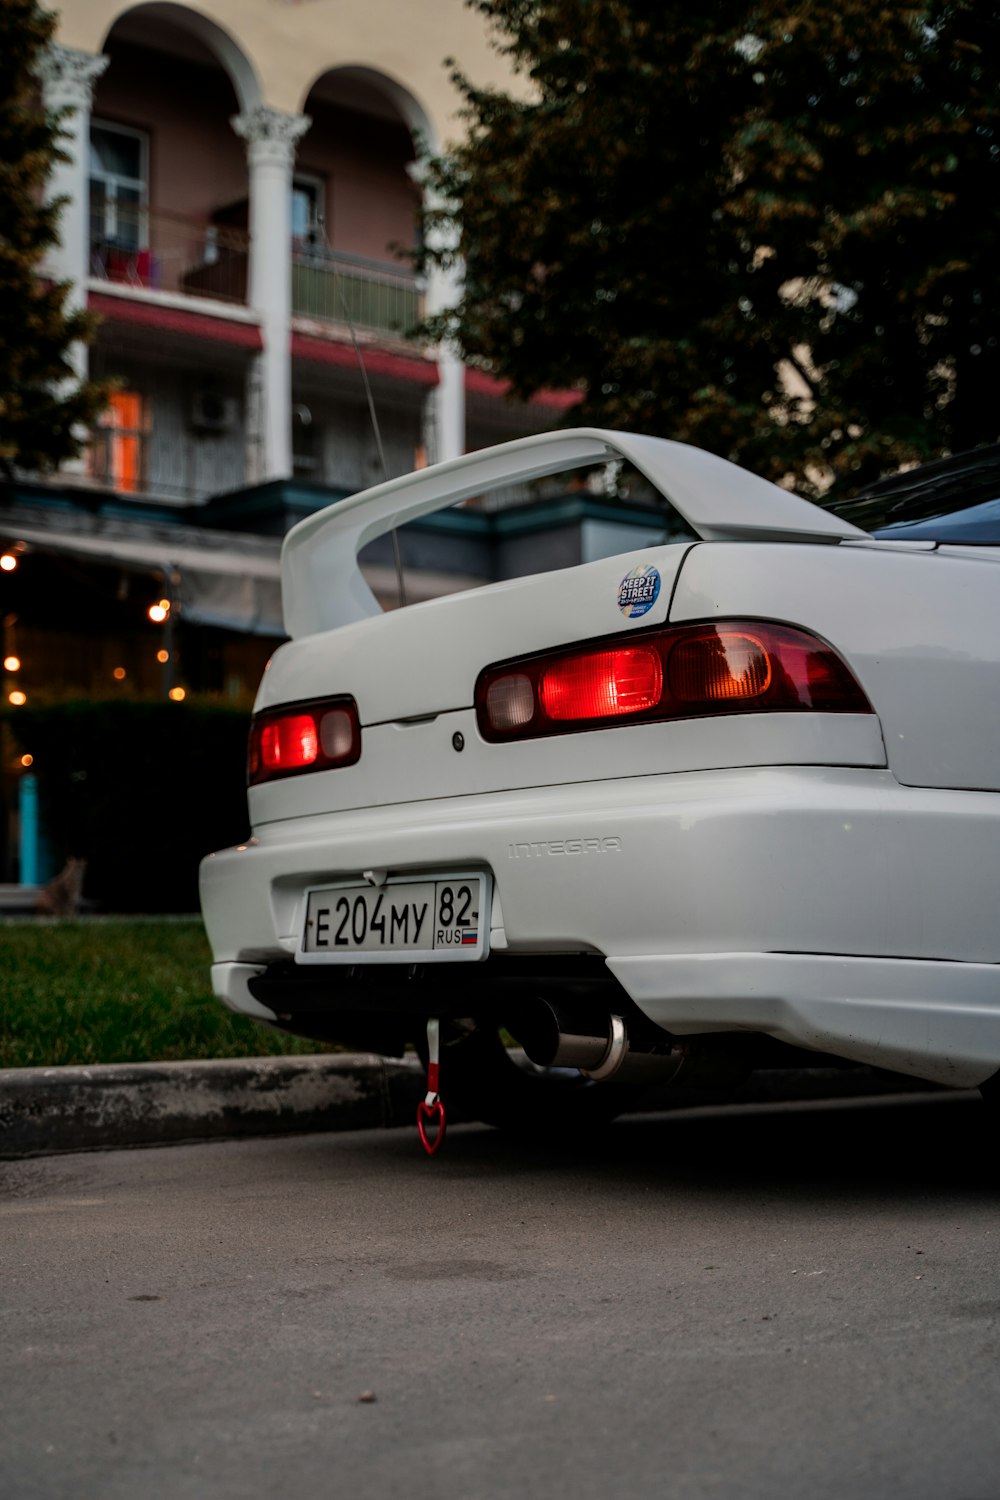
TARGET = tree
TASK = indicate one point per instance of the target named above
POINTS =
(43, 405)
(765, 228)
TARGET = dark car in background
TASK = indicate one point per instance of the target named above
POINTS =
(954, 501)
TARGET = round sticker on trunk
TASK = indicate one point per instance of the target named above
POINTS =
(638, 591)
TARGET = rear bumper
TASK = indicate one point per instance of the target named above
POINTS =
(939, 1021)
(828, 907)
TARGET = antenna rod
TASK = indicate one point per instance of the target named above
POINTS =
(397, 555)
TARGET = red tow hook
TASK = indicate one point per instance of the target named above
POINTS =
(430, 1110)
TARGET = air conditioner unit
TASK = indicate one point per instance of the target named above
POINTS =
(211, 412)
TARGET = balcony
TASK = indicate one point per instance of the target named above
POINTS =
(167, 253)
(163, 252)
(343, 289)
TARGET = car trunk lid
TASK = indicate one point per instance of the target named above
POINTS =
(425, 660)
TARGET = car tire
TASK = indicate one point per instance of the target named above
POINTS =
(481, 1080)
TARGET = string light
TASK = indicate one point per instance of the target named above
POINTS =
(119, 674)
(163, 657)
(27, 760)
(158, 612)
(178, 694)
(17, 698)
(8, 562)
(12, 664)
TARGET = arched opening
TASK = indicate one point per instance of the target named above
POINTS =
(355, 215)
(167, 172)
(355, 199)
(168, 223)
(179, 31)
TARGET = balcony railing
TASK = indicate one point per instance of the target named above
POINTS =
(168, 253)
(338, 288)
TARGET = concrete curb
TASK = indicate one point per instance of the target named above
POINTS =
(50, 1111)
(44, 1111)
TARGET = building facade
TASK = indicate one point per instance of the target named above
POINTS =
(242, 193)
(243, 188)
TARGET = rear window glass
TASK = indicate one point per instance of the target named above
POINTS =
(975, 523)
(952, 500)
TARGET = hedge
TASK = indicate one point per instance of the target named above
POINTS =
(141, 790)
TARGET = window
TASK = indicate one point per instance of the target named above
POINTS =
(118, 447)
(118, 190)
(307, 212)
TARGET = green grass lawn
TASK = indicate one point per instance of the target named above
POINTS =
(102, 990)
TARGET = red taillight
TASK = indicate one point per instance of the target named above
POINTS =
(688, 672)
(303, 737)
(288, 744)
(602, 684)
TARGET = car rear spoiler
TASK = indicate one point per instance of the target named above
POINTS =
(322, 585)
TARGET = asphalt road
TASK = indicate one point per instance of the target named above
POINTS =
(794, 1301)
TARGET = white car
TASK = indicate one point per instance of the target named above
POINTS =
(673, 814)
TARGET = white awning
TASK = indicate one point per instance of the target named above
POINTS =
(224, 578)
(220, 578)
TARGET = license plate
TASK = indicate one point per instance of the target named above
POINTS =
(430, 919)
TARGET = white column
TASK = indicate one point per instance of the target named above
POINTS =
(448, 406)
(271, 135)
(446, 437)
(67, 78)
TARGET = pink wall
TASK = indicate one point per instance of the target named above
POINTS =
(197, 164)
(370, 201)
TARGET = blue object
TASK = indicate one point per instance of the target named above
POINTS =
(30, 850)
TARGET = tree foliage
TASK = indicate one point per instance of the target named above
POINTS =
(42, 404)
(770, 229)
